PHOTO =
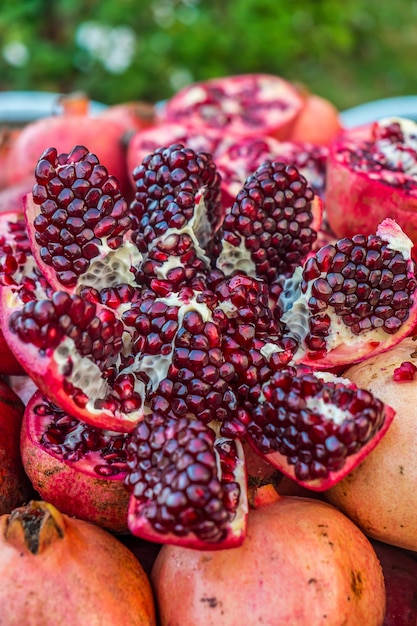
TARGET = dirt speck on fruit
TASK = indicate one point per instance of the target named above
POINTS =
(211, 602)
(356, 583)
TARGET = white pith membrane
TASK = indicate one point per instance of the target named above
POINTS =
(398, 160)
(111, 267)
(87, 376)
(156, 366)
(232, 258)
(235, 530)
(294, 303)
(238, 524)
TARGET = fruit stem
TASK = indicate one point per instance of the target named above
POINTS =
(34, 527)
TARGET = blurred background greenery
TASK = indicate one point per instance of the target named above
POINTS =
(119, 50)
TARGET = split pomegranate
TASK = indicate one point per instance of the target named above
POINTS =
(247, 104)
(352, 299)
(77, 468)
(237, 158)
(14, 484)
(163, 319)
(379, 494)
(268, 230)
(57, 569)
(303, 563)
(147, 140)
(314, 427)
(371, 175)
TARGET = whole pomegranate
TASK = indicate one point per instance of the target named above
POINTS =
(73, 124)
(319, 122)
(60, 570)
(15, 487)
(379, 494)
(400, 575)
(303, 563)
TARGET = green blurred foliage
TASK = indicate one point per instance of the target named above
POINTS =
(120, 50)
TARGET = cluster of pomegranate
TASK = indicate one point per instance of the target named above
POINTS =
(199, 299)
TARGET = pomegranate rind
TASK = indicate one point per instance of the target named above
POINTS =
(357, 201)
(279, 461)
(347, 349)
(48, 375)
(73, 487)
(230, 96)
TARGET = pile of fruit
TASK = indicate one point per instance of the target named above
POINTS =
(207, 312)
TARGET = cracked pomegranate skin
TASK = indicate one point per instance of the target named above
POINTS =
(303, 563)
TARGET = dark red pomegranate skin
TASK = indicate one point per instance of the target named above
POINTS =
(400, 575)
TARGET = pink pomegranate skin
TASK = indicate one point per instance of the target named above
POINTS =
(303, 563)
(102, 501)
(379, 494)
(356, 203)
(104, 138)
(15, 487)
(60, 570)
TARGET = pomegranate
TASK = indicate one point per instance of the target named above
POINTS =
(7, 136)
(352, 299)
(400, 576)
(147, 140)
(59, 570)
(379, 494)
(237, 158)
(14, 484)
(371, 176)
(11, 197)
(65, 130)
(303, 563)
(77, 468)
(314, 426)
(318, 123)
(248, 104)
(163, 319)
(133, 116)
